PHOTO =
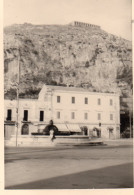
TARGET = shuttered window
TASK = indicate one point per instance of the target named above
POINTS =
(85, 116)
(58, 115)
(99, 101)
(86, 100)
(9, 114)
(58, 99)
(41, 115)
(73, 100)
(111, 117)
(99, 116)
(25, 115)
(72, 115)
(111, 102)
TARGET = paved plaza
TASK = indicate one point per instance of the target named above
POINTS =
(70, 167)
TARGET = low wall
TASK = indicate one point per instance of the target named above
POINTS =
(27, 140)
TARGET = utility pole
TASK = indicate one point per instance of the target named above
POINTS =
(130, 122)
(51, 104)
(17, 106)
(130, 125)
(115, 113)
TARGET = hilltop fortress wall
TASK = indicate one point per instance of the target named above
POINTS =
(82, 24)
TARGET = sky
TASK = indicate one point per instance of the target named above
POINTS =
(114, 16)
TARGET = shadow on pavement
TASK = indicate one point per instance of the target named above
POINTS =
(120, 176)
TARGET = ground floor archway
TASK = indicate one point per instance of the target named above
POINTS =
(25, 129)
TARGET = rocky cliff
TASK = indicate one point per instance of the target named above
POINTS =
(65, 55)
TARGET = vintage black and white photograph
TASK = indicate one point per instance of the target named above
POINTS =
(68, 94)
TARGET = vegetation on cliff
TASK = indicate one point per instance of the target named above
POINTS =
(66, 55)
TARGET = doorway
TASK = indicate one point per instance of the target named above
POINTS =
(25, 129)
(111, 133)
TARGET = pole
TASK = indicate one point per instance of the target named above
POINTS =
(17, 109)
(51, 104)
(130, 114)
(115, 115)
(130, 122)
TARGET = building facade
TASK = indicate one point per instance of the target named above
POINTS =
(70, 108)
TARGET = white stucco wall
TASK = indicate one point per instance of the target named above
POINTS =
(92, 108)
(47, 102)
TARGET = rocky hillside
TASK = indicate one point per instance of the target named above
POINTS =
(65, 55)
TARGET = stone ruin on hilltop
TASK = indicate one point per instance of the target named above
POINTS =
(82, 24)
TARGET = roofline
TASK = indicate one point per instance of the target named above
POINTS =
(23, 99)
(83, 90)
(91, 93)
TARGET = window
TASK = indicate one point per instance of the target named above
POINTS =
(73, 100)
(41, 115)
(111, 117)
(58, 99)
(86, 100)
(85, 116)
(58, 115)
(72, 115)
(25, 115)
(99, 101)
(99, 116)
(111, 102)
(9, 115)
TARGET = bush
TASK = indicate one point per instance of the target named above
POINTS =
(87, 64)
(126, 133)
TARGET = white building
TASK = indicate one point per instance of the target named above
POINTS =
(70, 108)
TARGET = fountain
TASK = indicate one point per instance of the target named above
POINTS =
(51, 136)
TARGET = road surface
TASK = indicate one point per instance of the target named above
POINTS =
(77, 167)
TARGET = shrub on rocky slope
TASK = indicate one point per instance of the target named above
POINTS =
(65, 55)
